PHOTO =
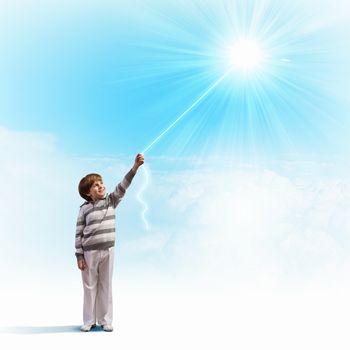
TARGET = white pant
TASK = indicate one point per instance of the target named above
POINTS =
(97, 282)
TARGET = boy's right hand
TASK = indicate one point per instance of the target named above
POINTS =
(81, 264)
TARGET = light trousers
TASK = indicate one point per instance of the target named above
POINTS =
(97, 282)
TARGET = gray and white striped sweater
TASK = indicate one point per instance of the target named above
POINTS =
(95, 227)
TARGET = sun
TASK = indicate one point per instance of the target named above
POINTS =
(246, 55)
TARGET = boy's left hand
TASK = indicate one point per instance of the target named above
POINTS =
(139, 160)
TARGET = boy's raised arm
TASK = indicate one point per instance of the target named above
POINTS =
(120, 189)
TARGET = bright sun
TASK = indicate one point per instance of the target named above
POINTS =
(246, 55)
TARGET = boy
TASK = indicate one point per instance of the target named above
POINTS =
(94, 244)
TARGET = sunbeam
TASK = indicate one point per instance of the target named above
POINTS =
(275, 102)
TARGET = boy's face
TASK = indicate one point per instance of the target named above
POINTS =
(97, 190)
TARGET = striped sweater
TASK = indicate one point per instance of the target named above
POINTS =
(95, 227)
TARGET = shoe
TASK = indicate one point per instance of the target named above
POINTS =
(107, 328)
(87, 327)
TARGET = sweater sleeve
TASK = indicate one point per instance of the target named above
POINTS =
(117, 195)
(79, 253)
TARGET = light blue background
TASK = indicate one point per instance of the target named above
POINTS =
(84, 86)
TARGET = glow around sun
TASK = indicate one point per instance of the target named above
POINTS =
(246, 55)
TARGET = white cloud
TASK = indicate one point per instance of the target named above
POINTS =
(211, 229)
(251, 225)
(36, 187)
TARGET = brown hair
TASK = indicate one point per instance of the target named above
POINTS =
(86, 183)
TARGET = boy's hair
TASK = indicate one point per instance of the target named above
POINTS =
(86, 183)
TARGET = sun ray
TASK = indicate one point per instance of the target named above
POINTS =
(267, 110)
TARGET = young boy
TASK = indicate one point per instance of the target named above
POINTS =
(94, 244)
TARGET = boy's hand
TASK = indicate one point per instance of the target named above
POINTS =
(81, 264)
(139, 160)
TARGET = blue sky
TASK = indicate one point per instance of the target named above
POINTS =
(86, 86)
(108, 77)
